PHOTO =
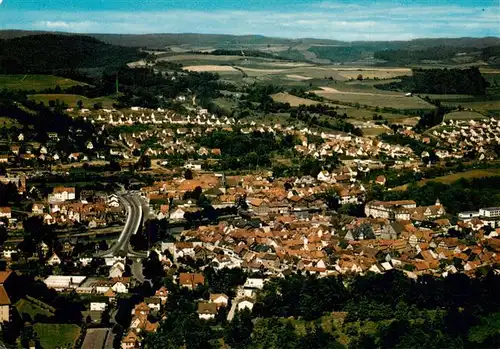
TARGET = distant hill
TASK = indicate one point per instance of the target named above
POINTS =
(48, 53)
(301, 49)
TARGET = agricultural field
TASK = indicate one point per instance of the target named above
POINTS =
(483, 107)
(371, 99)
(53, 336)
(464, 115)
(71, 100)
(9, 123)
(451, 178)
(35, 82)
(210, 68)
(34, 308)
(294, 101)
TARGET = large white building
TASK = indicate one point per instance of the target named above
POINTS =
(62, 282)
(61, 194)
(390, 209)
(490, 212)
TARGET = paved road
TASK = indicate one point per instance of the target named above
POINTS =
(133, 205)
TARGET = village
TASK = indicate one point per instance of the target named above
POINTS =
(266, 226)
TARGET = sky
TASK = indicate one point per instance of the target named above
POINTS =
(339, 20)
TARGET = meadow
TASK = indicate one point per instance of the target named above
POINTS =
(35, 82)
(71, 100)
(53, 336)
(374, 99)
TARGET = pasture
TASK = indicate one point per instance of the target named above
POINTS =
(464, 115)
(54, 336)
(71, 100)
(35, 82)
(451, 178)
(478, 106)
(294, 101)
(372, 99)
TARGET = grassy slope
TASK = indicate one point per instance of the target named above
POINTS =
(54, 336)
(71, 100)
(31, 308)
(35, 82)
(448, 179)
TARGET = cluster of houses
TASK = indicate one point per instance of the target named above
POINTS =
(395, 235)
(24, 151)
(263, 195)
(470, 135)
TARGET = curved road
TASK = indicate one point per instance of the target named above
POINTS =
(133, 206)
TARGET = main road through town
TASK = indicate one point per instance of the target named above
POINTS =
(134, 207)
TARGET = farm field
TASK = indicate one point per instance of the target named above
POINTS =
(448, 179)
(71, 100)
(294, 101)
(210, 68)
(35, 82)
(9, 123)
(25, 306)
(464, 115)
(54, 336)
(371, 99)
(479, 106)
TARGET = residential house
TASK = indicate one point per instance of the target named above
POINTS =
(207, 311)
(130, 341)
(220, 299)
(245, 303)
(191, 280)
(98, 306)
(54, 260)
(154, 303)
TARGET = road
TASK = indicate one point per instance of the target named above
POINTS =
(134, 207)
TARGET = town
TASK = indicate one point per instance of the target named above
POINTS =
(202, 191)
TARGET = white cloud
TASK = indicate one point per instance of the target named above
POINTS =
(371, 21)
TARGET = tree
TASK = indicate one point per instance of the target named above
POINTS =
(239, 330)
(188, 174)
(152, 267)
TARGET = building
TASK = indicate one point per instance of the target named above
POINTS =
(246, 303)
(5, 301)
(62, 282)
(61, 194)
(219, 299)
(5, 212)
(390, 209)
(98, 306)
(490, 212)
(191, 280)
(130, 341)
(207, 311)
(101, 338)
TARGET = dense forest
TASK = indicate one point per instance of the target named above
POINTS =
(49, 53)
(441, 81)
(438, 53)
(373, 312)
(462, 195)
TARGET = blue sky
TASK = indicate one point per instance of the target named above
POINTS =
(341, 20)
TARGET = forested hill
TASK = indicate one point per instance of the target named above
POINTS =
(48, 53)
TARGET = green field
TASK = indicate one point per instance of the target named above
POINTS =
(479, 106)
(451, 178)
(464, 115)
(53, 336)
(35, 82)
(31, 308)
(9, 123)
(71, 100)
(373, 99)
